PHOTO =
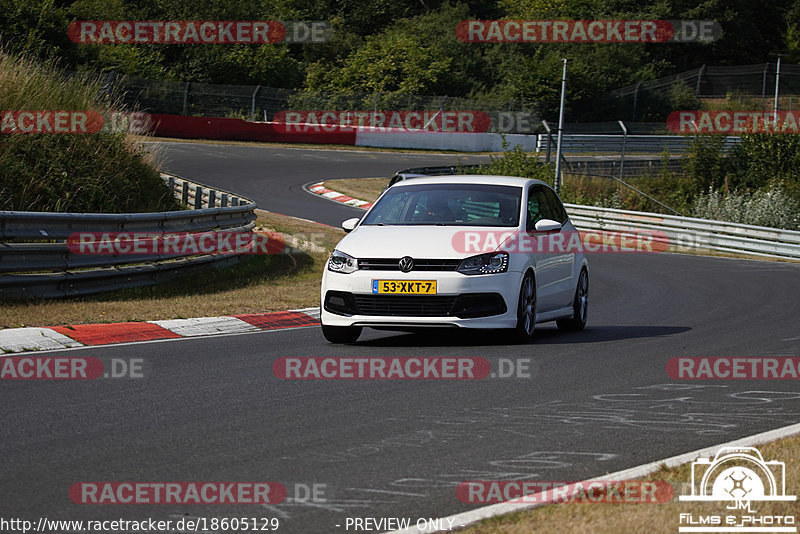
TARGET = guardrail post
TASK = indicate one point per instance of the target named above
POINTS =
(185, 194)
(212, 198)
(223, 200)
(198, 197)
(171, 184)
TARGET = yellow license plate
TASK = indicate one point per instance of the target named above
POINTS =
(404, 287)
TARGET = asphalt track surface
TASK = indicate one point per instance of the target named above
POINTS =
(274, 177)
(210, 409)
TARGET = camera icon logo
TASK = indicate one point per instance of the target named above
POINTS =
(738, 474)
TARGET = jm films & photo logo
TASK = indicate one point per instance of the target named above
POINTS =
(740, 478)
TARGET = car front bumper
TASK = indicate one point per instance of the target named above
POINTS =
(467, 301)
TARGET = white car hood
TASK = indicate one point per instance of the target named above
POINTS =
(434, 242)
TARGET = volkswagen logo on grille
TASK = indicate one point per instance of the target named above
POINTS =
(406, 263)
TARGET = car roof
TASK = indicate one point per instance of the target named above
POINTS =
(486, 179)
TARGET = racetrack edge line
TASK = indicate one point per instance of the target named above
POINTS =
(471, 517)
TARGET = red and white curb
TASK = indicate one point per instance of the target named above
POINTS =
(320, 189)
(15, 340)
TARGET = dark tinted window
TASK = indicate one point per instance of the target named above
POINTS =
(556, 207)
(538, 206)
(448, 204)
(543, 203)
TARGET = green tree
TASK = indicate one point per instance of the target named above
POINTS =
(761, 158)
(37, 28)
(420, 55)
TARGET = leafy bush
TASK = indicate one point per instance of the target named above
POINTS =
(771, 207)
(763, 157)
(517, 162)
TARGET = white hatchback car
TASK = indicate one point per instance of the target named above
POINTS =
(455, 251)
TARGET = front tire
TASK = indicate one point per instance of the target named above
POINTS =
(341, 334)
(526, 310)
(580, 306)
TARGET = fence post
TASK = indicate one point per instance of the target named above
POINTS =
(253, 104)
(635, 100)
(549, 140)
(624, 142)
(212, 198)
(699, 78)
(198, 197)
(777, 83)
(185, 194)
(764, 88)
(185, 97)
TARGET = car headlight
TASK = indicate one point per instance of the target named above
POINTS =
(339, 262)
(491, 263)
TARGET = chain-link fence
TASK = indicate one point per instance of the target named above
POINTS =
(262, 103)
(644, 106)
(746, 87)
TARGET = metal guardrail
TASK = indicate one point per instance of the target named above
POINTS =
(649, 144)
(689, 233)
(35, 260)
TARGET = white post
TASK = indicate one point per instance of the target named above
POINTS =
(777, 84)
(624, 141)
(560, 127)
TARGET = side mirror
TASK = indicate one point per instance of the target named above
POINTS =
(350, 224)
(547, 225)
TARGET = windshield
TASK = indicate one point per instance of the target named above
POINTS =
(448, 204)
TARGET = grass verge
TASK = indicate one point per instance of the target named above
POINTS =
(580, 518)
(360, 188)
(259, 284)
(102, 172)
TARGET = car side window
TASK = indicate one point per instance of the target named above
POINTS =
(557, 211)
(538, 206)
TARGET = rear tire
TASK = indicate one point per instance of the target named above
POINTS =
(341, 334)
(526, 310)
(580, 306)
